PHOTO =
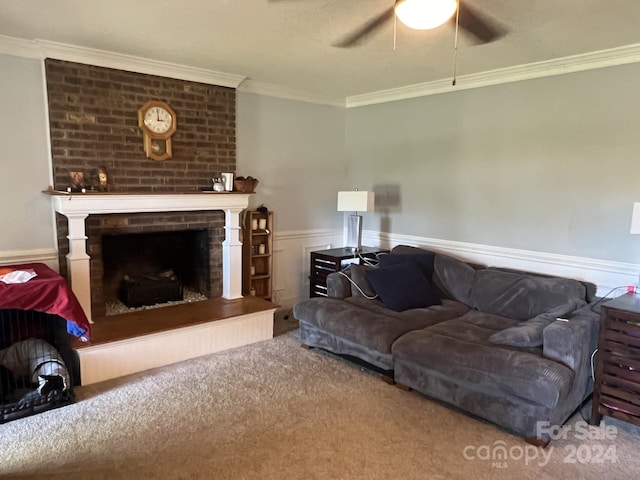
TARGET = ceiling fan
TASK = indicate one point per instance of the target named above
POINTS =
(426, 15)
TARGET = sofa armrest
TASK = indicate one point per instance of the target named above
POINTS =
(338, 285)
(572, 342)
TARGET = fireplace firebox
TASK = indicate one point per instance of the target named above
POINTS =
(149, 268)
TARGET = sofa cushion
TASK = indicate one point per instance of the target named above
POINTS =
(458, 350)
(371, 329)
(360, 286)
(402, 287)
(529, 332)
(521, 296)
(453, 277)
(448, 310)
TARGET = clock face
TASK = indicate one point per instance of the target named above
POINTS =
(158, 119)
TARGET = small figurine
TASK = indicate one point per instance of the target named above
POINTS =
(218, 184)
(103, 179)
(77, 182)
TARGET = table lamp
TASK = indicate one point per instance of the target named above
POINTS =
(635, 218)
(355, 202)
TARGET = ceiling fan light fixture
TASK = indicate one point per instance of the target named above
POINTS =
(425, 14)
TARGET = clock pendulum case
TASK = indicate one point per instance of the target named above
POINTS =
(158, 124)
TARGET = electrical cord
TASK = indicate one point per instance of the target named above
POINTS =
(593, 377)
(358, 286)
(370, 262)
(593, 354)
(601, 299)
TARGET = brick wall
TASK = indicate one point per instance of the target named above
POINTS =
(93, 114)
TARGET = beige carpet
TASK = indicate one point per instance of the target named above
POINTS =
(276, 411)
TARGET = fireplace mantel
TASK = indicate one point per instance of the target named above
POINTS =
(112, 202)
(78, 206)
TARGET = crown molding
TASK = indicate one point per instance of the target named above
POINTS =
(61, 51)
(558, 66)
(19, 47)
(272, 90)
(42, 49)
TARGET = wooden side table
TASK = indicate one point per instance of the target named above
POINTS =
(324, 262)
(616, 390)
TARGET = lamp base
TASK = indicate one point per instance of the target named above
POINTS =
(354, 232)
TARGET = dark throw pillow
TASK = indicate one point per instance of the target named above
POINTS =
(423, 260)
(402, 287)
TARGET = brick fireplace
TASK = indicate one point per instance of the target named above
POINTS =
(107, 213)
(93, 123)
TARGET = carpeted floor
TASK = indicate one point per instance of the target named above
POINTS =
(273, 410)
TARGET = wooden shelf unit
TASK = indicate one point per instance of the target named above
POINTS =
(259, 282)
(616, 390)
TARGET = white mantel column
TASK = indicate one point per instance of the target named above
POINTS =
(232, 255)
(78, 261)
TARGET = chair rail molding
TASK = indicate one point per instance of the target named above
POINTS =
(607, 275)
(48, 256)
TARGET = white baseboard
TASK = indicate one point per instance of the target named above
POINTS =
(44, 255)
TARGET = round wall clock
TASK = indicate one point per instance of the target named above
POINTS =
(158, 123)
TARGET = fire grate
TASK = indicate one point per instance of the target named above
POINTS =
(150, 289)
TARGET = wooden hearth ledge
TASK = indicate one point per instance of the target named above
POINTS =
(137, 341)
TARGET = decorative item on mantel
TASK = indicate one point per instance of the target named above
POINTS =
(77, 182)
(227, 179)
(245, 185)
(103, 179)
(218, 184)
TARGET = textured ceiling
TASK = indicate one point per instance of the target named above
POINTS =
(287, 43)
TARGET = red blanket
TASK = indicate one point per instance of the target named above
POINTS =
(48, 292)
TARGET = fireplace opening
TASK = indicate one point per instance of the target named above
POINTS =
(148, 269)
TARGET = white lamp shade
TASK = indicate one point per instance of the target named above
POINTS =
(425, 14)
(635, 218)
(355, 201)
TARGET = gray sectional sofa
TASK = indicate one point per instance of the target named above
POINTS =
(486, 340)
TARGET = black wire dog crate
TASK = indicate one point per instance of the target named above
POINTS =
(38, 367)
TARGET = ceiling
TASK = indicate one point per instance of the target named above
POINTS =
(287, 43)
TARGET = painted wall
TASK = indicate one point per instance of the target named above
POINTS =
(548, 165)
(297, 152)
(25, 213)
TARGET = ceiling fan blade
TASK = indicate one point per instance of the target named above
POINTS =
(366, 30)
(481, 28)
